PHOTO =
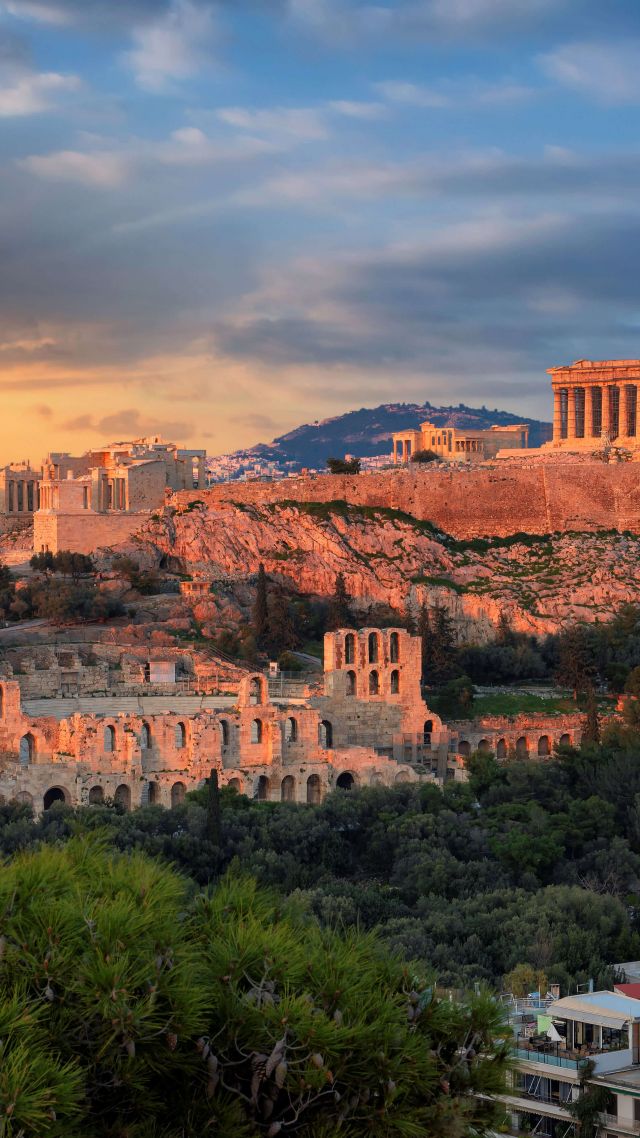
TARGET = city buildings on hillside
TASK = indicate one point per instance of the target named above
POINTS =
(581, 1045)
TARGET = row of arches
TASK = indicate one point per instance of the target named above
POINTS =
(325, 732)
(373, 648)
(146, 737)
(264, 787)
(523, 748)
(374, 682)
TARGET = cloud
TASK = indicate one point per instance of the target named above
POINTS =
(43, 410)
(305, 124)
(462, 93)
(172, 48)
(412, 94)
(358, 110)
(255, 421)
(100, 169)
(129, 424)
(606, 72)
(30, 94)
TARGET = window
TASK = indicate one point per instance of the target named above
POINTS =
(145, 737)
(351, 683)
(373, 648)
(263, 789)
(27, 750)
(374, 683)
(395, 681)
(394, 648)
(109, 739)
(181, 735)
(314, 790)
(349, 648)
(291, 730)
(178, 791)
(224, 732)
(288, 789)
(256, 731)
(325, 734)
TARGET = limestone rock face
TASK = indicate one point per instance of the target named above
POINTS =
(389, 557)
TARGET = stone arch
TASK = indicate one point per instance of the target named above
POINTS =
(565, 740)
(24, 798)
(235, 784)
(291, 730)
(373, 649)
(288, 789)
(325, 734)
(145, 737)
(253, 690)
(153, 793)
(427, 732)
(501, 749)
(394, 684)
(180, 736)
(345, 781)
(178, 791)
(256, 731)
(374, 683)
(394, 648)
(123, 796)
(350, 648)
(314, 790)
(55, 794)
(351, 683)
(109, 739)
(464, 748)
(96, 796)
(544, 746)
(263, 789)
(27, 751)
(402, 776)
(224, 732)
(522, 747)
(484, 746)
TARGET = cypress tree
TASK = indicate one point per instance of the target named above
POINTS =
(591, 730)
(339, 608)
(261, 609)
(214, 825)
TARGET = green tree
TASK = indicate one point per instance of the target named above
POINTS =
(591, 729)
(214, 825)
(339, 615)
(576, 667)
(343, 465)
(422, 456)
(441, 646)
(260, 616)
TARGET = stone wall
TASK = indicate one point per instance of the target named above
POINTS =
(83, 532)
(496, 500)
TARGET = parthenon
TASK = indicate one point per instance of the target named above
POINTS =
(595, 402)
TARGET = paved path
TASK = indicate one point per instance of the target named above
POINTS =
(62, 708)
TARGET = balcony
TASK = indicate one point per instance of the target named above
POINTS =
(551, 1054)
(620, 1125)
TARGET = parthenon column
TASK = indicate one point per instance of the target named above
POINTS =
(588, 412)
(606, 419)
(571, 413)
(557, 416)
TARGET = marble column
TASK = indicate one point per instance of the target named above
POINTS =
(557, 416)
(571, 413)
(588, 413)
(606, 419)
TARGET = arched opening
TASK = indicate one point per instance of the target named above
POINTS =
(153, 793)
(288, 789)
(484, 746)
(291, 730)
(264, 788)
(109, 739)
(325, 734)
(349, 648)
(145, 737)
(178, 791)
(345, 781)
(394, 648)
(402, 776)
(24, 798)
(544, 747)
(181, 736)
(314, 790)
(255, 691)
(395, 682)
(427, 732)
(373, 647)
(374, 683)
(96, 796)
(224, 732)
(464, 748)
(27, 750)
(235, 784)
(55, 794)
(122, 796)
(522, 748)
(565, 740)
(501, 749)
(256, 731)
(351, 683)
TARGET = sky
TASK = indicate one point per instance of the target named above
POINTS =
(222, 218)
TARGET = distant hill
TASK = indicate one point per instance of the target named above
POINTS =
(368, 431)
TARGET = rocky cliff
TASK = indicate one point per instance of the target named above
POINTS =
(389, 555)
